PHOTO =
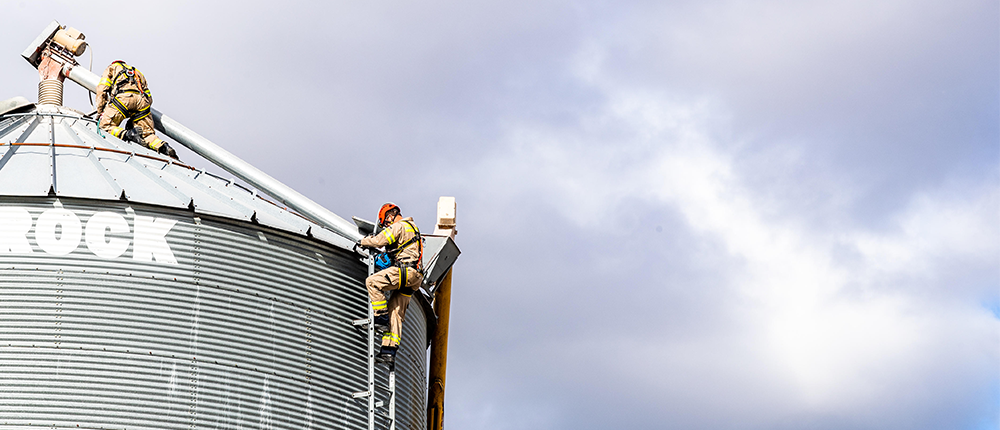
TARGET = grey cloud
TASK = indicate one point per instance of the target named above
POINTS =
(591, 294)
(884, 96)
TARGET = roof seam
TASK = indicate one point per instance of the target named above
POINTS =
(92, 156)
(10, 152)
(52, 158)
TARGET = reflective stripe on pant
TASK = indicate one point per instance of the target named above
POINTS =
(388, 280)
(116, 131)
(390, 339)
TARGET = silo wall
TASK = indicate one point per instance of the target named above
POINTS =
(123, 316)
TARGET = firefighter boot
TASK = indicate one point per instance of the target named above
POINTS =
(382, 322)
(165, 149)
(132, 135)
(387, 355)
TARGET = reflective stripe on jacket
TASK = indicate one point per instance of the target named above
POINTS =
(398, 233)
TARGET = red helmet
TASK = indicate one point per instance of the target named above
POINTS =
(384, 212)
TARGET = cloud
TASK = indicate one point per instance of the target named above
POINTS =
(891, 95)
(824, 323)
(718, 214)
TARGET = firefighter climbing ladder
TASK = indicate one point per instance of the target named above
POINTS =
(374, 405)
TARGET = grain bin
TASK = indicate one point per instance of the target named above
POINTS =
(142, 293)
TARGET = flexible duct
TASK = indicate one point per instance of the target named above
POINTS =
(50, 92)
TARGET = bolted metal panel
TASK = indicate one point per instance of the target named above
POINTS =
(222, 158)
(123, 315)
(57, 149)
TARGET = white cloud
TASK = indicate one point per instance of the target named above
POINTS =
(944, 224)
(817, 333)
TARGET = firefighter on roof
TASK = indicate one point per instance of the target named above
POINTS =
(402, 243)
(122, 94)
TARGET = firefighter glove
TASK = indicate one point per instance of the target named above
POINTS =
(361, 249)
(165, 149)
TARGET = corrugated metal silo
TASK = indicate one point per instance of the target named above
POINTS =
(141, 293)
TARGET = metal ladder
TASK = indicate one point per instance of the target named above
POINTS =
(368, 325)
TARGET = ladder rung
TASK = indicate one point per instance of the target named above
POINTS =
(361, 394)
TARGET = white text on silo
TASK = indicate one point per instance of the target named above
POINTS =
(149, 240)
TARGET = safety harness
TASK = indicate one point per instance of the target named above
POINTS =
(398, 249)
(127, 76)
(128, 113)
(129, 73)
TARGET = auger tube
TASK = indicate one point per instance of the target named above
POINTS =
(233, 164)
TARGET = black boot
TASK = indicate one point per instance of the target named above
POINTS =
(387, 354)
(382, 322)
(165, 149)
(132, 135)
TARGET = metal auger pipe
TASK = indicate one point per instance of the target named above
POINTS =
(233, 164)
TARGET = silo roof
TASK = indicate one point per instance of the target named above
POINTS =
(56, 151)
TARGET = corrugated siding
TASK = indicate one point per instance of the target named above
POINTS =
(251, 328)
(411, 371)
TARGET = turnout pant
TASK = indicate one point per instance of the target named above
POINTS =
(113, 115)
(387, 280)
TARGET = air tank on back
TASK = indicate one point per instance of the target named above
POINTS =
(137, 292)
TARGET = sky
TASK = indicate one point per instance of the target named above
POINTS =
(714, 214)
